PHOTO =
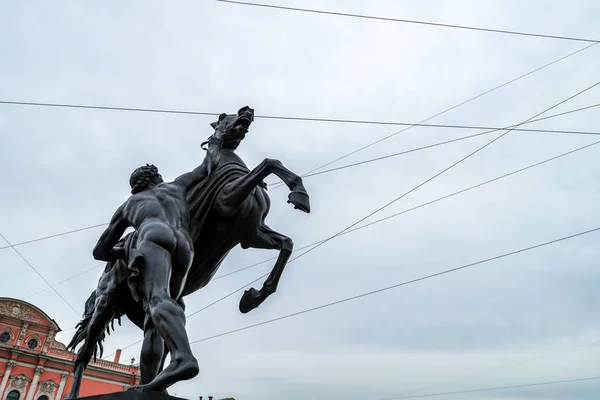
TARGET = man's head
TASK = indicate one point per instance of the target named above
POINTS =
(232, 128)
(144, 177)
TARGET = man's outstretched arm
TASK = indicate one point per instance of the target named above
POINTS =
(103, 250)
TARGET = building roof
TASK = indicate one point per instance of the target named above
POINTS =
(19, 309)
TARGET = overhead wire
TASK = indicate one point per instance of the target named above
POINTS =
(503, 368)
(376, 142)
(114, 108)
(374, 222)
(39, 274)
(490, 389)
(370, 161)
(276, 117)
(386, 288)
(410, 21)
(290, 118)
(317, 244)
(537, 164)
(393, 216)
(407, 192)
(349, 231)
(63, 281)
(56, 235)
(397, 285)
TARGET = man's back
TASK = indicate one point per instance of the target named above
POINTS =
(164, 202)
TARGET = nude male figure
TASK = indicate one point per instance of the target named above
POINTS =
(162, 255)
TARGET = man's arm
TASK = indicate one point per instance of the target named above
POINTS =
(189, 179)
(103, 250)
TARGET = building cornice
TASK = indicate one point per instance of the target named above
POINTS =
(67, 363)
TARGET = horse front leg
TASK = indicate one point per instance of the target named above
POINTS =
(298, 195)
(236, 192)
(266, 238)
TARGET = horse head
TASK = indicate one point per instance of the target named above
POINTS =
(231, 129)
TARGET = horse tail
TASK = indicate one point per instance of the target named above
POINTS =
(95, 350)
(82, 327)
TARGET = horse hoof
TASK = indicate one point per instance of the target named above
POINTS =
(300, 200)
(250, 300)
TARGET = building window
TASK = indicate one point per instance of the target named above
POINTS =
(4, 337)
(32, 344)
(13, 395)
(43, 397)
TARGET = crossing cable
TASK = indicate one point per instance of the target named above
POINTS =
(448, 142)
(279, 117)
(379, 220)
(40, 275)
(393, 216)
(113, 108)
(407, 193)
(479, 373)
(489, 389)
(368, 161)
(423, 205)
(384, 289)
(397, 285)
(383, 207)
(63, 281)
(393, 201)
(446, 110)
(408, 21)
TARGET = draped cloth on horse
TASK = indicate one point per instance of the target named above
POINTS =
(201, 199)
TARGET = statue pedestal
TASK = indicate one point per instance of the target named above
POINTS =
(132, 395)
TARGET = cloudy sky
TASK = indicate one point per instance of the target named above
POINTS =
(523, 319)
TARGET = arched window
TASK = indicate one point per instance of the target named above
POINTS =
(13, 395)
(4, 337)
(43, 397)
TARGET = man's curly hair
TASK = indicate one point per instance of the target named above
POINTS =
(144, 177)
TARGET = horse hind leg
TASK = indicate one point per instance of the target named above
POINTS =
(266, 238)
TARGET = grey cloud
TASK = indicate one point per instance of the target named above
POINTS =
(63, 169)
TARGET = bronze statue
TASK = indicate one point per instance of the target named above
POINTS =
(225, 205)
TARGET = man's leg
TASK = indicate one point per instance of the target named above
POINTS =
(167, 316)
(152, 352)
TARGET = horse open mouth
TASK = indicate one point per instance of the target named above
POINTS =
(242, 124)
(244, 120)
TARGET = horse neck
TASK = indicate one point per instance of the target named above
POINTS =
(224, 155)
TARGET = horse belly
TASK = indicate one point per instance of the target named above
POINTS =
(207, 260)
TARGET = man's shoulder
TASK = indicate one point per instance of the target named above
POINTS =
(144, 195)
(167, 187)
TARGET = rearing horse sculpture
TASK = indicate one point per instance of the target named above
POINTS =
(227, 208)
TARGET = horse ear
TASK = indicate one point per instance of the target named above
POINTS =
(214, 125)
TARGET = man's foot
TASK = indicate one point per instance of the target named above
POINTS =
(178, 370)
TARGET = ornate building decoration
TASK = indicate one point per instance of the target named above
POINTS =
(22, 333)
(19, 311)
(48, 387)
(19, 382)
(49, 341)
